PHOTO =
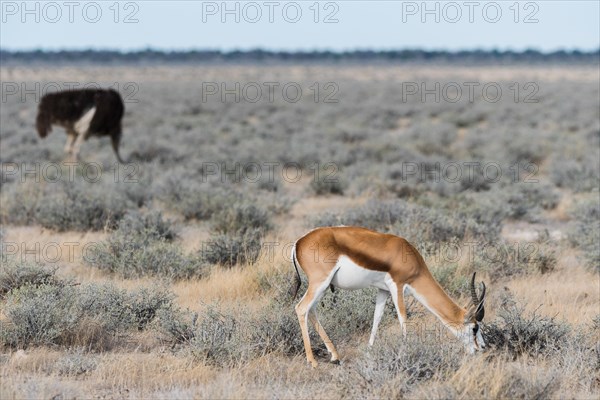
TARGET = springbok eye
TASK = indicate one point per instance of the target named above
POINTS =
(475, 329)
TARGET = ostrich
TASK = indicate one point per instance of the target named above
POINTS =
(83, 113)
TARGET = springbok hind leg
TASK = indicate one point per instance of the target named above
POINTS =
(302, 310)
(335, 357)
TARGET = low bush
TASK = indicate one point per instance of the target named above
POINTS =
(14, 275)
(177, 326)
(196, 201)
(79, 206)
(76, 363)
(91, 316)
(231, 336)
(578, 175)
(39, 315)
(150, 225)
(327, 180)
(142, 246)
(502, 380)
(236, 235)
(228, 337)
(135, 256)
(240, 219)
(527, 200)
(584, 232)
(454, 283)
(19, 202)
(231, 249)
(518, 333)
(394, 366)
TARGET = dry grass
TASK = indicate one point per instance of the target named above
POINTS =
(572, 295)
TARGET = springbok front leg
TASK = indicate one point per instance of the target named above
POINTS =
(397, 292)
(382, 296)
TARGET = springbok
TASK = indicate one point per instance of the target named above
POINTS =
(83, 113)
(355, 258)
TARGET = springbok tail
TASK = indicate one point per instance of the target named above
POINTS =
(297, 279)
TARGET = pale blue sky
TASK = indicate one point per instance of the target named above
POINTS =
(186, 25)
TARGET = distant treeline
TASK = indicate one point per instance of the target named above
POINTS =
(254, 56)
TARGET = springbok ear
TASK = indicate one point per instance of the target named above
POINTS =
(470, 314)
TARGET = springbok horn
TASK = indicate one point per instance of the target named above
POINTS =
(474, 298)
(480, 312)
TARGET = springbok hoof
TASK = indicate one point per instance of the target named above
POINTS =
(336, 362)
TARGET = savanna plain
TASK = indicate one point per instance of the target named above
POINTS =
(169, 276)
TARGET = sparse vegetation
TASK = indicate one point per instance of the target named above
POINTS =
(176, 295)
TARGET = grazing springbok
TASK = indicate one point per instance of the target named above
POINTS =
(83, 113)
(355, 258)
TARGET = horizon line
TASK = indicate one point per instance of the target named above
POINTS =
(301, 51)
